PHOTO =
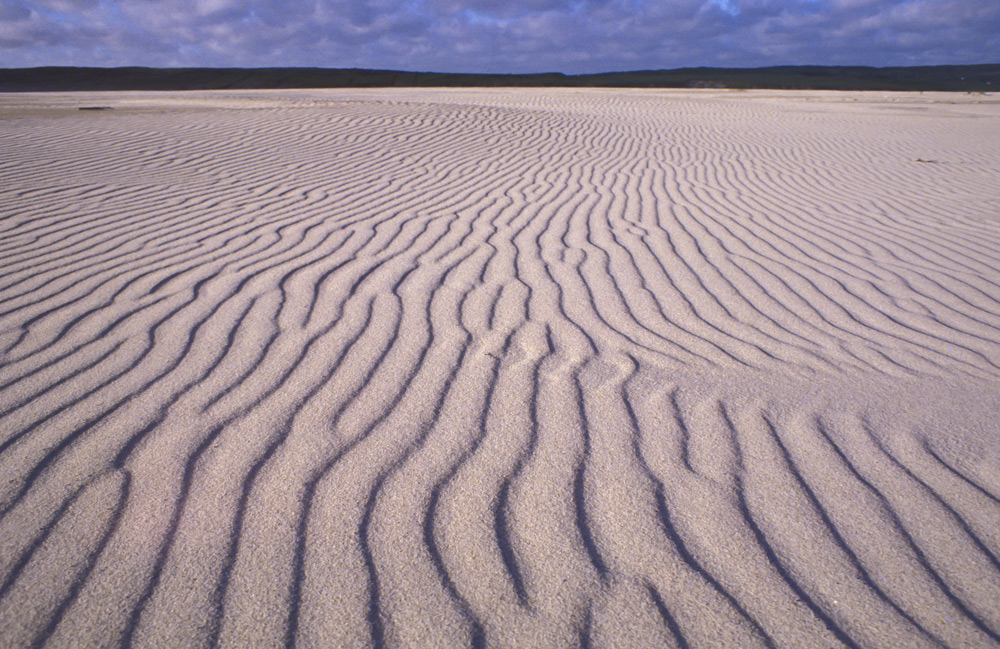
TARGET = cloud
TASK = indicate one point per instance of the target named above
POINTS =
(571, 36)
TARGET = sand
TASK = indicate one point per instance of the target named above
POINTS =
(500, 368)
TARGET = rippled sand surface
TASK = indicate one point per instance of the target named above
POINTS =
(471, 368)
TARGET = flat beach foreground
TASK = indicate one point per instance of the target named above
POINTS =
(506, 368)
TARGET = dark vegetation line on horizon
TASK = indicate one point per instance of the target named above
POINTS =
(968, 78)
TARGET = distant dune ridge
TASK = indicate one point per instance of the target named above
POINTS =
(966, 78)
(499, 368)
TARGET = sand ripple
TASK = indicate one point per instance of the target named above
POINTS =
(500, 369)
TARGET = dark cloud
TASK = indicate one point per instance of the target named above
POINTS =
(497, 35)
(13, 12)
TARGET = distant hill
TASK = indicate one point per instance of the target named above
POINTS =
(969, 78)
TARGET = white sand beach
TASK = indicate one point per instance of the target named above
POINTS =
(500, 368)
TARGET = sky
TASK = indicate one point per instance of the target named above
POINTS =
(570, 36)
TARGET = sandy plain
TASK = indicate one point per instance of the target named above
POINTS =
(512, 368)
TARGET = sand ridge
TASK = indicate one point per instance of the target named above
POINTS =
(500, 368)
